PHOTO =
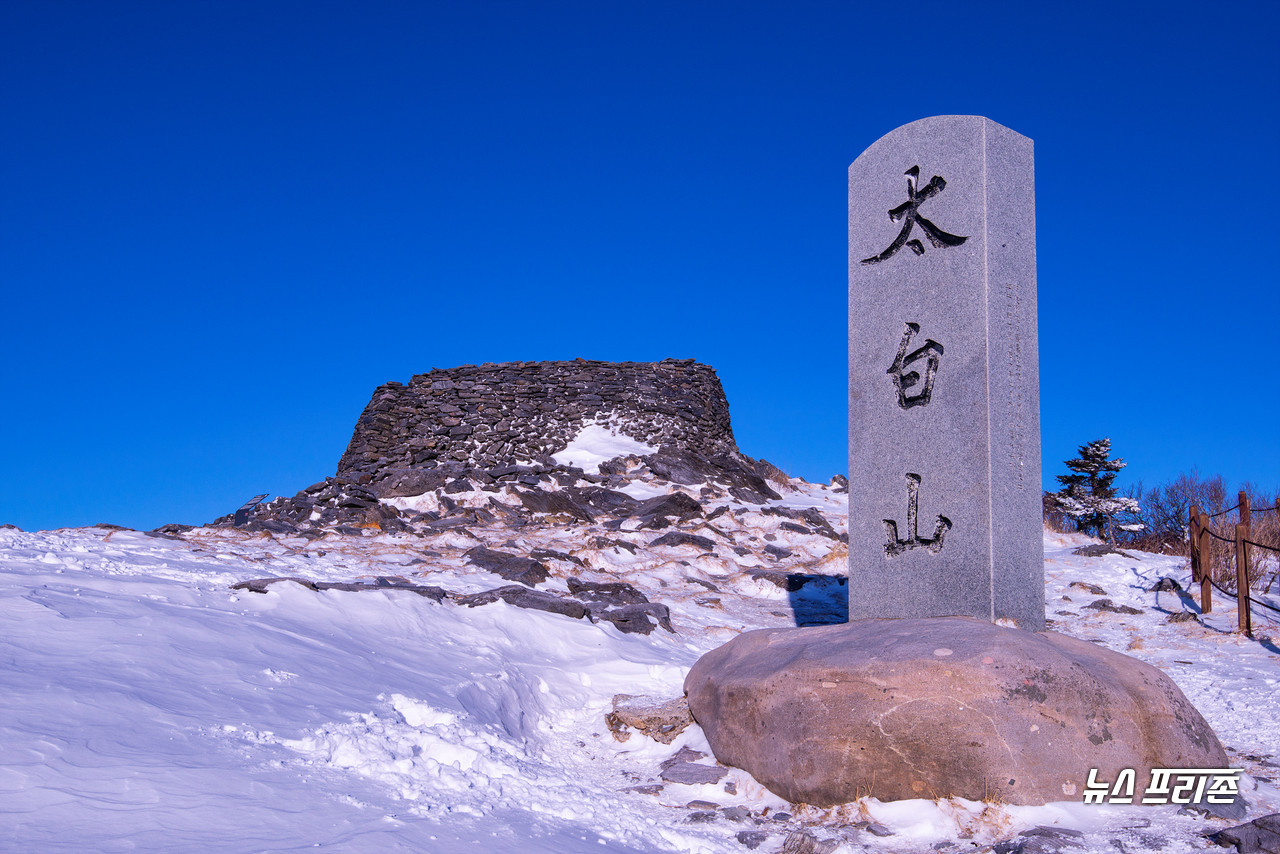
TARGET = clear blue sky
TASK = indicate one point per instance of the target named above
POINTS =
(222, 224)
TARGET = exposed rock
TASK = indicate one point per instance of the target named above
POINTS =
(1182, 617)
(825, 715)
(804, 842)
(676, 506)
(523, 597)
(611, 593)
(634, 619)
(792, 581)
(1260, 835)
(684, 754)
(1040, 840)
(733, 471)
(539, 501)
(752, 839)
(606, 543)
(661, 720)
(511, 567)
(693, 773)
(770, 472)
(650, 789)
(1166, 585)
(678, 538)
(1101, 550)
(606, 502)
(551, 554)
(1088, 588)
(1108, 605)
(260, 585)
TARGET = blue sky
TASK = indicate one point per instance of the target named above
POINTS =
(222, 224)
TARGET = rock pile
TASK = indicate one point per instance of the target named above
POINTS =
(495, 427)
(488, 416)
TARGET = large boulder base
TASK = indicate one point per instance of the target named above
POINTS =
(939, 707)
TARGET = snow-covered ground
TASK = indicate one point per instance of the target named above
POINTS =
(145, 705)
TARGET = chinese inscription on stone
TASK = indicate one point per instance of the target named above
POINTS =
(964, 433)
(908, 213)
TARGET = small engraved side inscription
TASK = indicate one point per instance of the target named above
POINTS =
(896, 546)
(1017, 414)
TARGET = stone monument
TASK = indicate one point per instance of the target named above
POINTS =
(944, 684)
(944, 416)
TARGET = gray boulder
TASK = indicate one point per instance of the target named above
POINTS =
(939, 707)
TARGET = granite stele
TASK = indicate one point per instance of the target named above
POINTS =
(923, 693)
(944, 408)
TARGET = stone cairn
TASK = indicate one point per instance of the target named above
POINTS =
(464, 432)
(495, 425)
(494, 415)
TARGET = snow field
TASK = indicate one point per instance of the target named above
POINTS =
(149, 707)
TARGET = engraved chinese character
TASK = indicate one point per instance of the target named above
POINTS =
(896, 546)
(908, 213)
(901, 370)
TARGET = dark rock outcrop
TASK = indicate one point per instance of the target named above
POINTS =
(524, 570)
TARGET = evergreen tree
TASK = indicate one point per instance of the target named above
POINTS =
(1088, 495)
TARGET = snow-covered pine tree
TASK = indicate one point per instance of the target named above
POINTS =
(1088, 495)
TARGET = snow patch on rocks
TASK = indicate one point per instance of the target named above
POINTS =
(598, 443)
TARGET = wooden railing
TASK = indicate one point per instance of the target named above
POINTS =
(1239, 546)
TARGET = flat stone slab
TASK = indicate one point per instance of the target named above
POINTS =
(939, 707)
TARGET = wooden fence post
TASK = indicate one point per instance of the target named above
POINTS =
(1206, 565)
(1246, 512)
(1243, 622)
(1193, 534)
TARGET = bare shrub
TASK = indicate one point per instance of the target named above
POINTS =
(1054, 517)
(1165, 511)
